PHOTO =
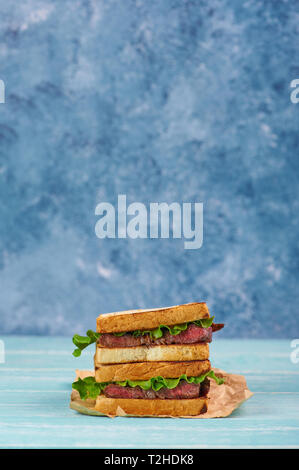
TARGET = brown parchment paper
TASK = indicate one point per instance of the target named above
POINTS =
(223, 399)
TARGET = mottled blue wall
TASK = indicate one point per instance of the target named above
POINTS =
(162, 101)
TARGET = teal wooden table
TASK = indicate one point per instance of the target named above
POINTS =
(35, 386)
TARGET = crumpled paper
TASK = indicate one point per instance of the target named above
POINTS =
(223, 399)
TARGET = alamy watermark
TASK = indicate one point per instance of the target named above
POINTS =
(2, 352)
(294, 356)
(159, 220)
(2, 91)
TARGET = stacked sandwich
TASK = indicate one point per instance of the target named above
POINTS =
(152, 362)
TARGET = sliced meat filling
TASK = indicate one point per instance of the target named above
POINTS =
(183, 390)
(193, 334)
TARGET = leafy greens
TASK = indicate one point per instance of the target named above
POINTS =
(83, 341)
(173, 330)
(89, 388)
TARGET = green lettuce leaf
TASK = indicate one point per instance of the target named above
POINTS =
(173, 330)
(83, 341)
(89, 388)
(204, 322)
(156, 383)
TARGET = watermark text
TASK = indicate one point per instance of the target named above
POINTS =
(159, 220)
(294, 356)
(294, 97)
(2, 352)
(2, 92)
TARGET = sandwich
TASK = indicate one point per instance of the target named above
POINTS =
(150, 362)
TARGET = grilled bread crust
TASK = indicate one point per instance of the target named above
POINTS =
(156, 407)
(131, 320)
(147, 370)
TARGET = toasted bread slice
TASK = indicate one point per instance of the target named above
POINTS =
(156, 407)
(147, 370)
(131, 320)
(173, 352)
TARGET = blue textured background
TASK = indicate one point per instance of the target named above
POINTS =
(162, 101)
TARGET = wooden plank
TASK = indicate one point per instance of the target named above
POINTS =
(62, 380)
(35, 384)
